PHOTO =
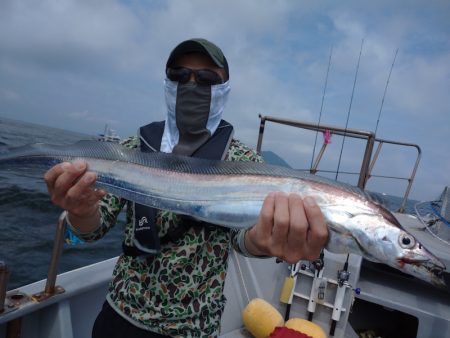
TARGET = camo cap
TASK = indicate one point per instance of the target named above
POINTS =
(201, 46)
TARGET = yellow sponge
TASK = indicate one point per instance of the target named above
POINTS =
(260, 318)
(306, 327)
(287, 289)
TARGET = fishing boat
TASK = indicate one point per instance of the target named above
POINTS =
(109, 135)
(344, 294)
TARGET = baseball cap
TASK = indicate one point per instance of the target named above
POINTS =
(201, 46)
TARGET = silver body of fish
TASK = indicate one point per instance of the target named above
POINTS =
(232, 193)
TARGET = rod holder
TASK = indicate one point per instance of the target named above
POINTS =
(4, 276)
(50, 288)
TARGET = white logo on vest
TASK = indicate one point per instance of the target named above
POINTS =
(142, 221)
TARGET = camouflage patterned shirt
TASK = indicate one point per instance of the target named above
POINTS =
(178, 292)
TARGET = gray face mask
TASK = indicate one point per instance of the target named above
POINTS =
(193, 115)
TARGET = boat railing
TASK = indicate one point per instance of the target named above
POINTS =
(369, 158)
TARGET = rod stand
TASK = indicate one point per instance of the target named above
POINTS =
(50, 288)
(4, 275)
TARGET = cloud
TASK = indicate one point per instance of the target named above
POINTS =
(423, 92)
(103, 62)
(78, 115)
(68, 35)
(8, 95)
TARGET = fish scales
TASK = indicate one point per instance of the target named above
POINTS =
(188, 165)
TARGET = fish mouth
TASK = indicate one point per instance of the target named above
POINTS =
(430, 262)
(436, 274)
(434, 268)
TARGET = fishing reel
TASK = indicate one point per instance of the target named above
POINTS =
(317, 264)
(342, 280)
(343, 277)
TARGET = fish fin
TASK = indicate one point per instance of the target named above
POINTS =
(336, 227)
(347, 243)
(364, 253)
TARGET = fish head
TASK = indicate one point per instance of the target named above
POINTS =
(361, 226)
(385, 241)
(414, 259)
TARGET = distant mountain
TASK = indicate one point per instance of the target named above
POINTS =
(272, 158)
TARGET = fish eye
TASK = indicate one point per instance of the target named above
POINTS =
(406, 241)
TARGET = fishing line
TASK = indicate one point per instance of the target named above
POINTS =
(436, 236)
(241, 275)
(437, 213)
(349, 109)
(420, 205)
(321, 106)
(385, 90)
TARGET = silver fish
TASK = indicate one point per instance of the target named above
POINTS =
(232, 193)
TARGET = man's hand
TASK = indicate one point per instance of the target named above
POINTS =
(288, 228)
(71, 187)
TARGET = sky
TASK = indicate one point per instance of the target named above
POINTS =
(78, 65)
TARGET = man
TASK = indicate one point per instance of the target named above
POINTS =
(169, 280)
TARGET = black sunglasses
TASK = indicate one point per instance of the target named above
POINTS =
(202, 76)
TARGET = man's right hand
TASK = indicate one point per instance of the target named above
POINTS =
(70, 186)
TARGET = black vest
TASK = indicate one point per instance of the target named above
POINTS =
(145, 238)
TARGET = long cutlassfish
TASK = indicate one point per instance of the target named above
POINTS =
(232, 193)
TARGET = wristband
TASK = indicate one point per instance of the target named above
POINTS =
(243, 248)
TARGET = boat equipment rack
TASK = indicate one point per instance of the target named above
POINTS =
(369, 159)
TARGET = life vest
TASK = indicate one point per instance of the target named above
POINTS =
(146, 241)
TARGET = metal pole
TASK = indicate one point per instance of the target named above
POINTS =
(366, 161)
(14, 328)
(261, 133)
(411, 179)
(4, 275)
(375, 158)
(313, 170)
(323, 127)
(57, 250)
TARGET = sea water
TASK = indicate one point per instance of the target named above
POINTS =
(28, 218)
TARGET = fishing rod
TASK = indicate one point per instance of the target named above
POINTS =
(342, 279)
(349, 109)
(385, 90)
(321, 106)
(317, 294)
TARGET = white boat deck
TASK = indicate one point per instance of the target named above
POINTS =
(72, 313)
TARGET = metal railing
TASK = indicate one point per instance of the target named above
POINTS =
(368, 161)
